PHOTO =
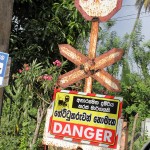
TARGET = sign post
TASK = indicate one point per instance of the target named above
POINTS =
(87, 68)
(92, 52)
(95, 11)
(82, 119)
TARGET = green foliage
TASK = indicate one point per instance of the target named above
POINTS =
(108, 41)
(136, 95)
(141, 51)
(32, 88)
(39, 26)
(135, 86)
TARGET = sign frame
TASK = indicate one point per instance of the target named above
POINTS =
(67, 142)
(101, 18)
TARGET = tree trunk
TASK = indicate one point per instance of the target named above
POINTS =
(6, 8)
(40, 115)
(133, 131)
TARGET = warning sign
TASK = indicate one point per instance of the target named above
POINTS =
(85, 117)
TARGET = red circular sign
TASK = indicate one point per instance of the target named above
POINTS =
(102, 9)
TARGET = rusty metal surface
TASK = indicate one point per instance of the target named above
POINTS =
(88, 85)
(103, 10)
(107, 80)
(90, 66)
(107, 59)
(93, 39)
(92, 53)
(72, 54)
(71, 77)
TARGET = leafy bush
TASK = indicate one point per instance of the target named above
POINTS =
(26, 102)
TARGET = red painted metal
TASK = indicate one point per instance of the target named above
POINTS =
(72, 54)
(92, 53)
(104, 10)
(107, 80)
(107, 59)
(90, 67)
(71, 77)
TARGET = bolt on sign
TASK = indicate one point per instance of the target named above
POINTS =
(82, 119)
(87, 67)
(102, 9)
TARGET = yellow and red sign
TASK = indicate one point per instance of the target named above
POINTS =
(85, 118)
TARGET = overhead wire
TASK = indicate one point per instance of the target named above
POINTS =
(118, 18)
(127, 5)
(131, 18)
(129, 15)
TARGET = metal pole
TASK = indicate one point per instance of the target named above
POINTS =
(92, 51)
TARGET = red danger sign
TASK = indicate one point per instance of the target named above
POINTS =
(83, 118)
(83, 132)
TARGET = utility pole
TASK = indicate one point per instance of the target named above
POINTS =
(6, 9)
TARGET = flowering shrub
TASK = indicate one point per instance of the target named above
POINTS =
(31, 94)
(47, 77)
(57, 63)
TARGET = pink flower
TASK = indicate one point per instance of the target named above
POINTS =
(47, 77)
(20, 71)
(27, 68)
(57, 63)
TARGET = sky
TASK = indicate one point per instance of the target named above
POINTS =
(125, 24)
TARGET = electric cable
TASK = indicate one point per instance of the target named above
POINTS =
(131, 18)
(129, 15)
